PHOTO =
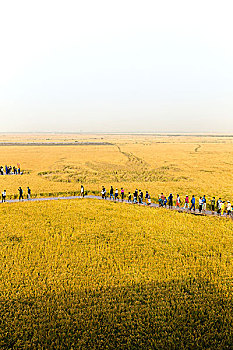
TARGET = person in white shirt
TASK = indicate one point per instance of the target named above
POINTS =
(178, 201)
(229, 209)
(200, 204)
(103, 192)
(4, 196)
(82, 191)
(148, 200)
(116, 195)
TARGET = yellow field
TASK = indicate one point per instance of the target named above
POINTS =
(178, 164)
(88, 274)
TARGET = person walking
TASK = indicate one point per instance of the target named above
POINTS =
(20, 193)
(178, 202)
(82, 191)
(111, 193)
(219, 206)
(4, 196)
(193, 201)
(186, 202)
(200, 204)
(29, 193)
(148, 200)
(204, 204)
(103, 192)
(222, 207)
(122, 194)
(229, 209)
(212, 205)
(140, 197)
(129, 197)
(116, 195)
(135, 197)
(146, 197)
(170, 201)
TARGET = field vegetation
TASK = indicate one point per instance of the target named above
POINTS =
(179, 164)
(85, 274)
(90, 274)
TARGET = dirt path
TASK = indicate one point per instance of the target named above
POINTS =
(153, 205)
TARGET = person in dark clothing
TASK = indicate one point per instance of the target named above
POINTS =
(111, 193)
(170, 201)
(29, 193)
(193, 200)
(4, 196)
(213, 205)
(219, 202)
(140, 197)
(122, 194)
(20, 193)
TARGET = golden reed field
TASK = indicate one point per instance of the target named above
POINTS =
(157, 163)
(89, 274)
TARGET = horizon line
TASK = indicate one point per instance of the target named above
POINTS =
(170, 133)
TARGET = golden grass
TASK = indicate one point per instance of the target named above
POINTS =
(177, 164)
(92, 274)
(96, 275)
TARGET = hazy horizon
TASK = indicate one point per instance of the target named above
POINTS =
(126, 67)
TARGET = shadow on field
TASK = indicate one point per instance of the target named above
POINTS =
(189, 314)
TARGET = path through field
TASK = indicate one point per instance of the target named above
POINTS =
(152, 205)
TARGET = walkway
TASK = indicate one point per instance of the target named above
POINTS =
(153, 205)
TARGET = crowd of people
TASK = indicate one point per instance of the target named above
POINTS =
(189, 204)
(9, 170)
(200, 204)
(169, 202)
(136, 197)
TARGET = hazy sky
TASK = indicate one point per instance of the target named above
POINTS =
(116, 65)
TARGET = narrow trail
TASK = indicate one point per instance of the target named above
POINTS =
(132, 158)
(152, 205)
(197, 148)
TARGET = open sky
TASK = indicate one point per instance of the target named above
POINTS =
(118, 66)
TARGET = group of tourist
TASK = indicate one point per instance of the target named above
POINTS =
(189, 204)
(9, 170)
(137, 197)
(21, 194)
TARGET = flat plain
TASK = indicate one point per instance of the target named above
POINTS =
(87, 274)
(179, 164)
